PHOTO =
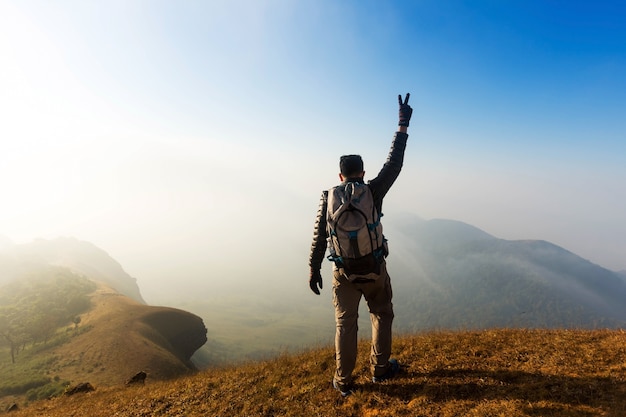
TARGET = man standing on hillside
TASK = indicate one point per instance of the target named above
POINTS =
(348, 222)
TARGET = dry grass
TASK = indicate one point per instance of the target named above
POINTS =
(487, 373)
(119, 343)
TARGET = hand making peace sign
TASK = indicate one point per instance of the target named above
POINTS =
(405, 110)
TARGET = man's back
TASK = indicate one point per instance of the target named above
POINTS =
(370, 278)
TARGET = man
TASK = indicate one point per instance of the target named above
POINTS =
(349, 287)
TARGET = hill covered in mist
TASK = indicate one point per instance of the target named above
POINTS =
(81, 257)
(448, 274)
(62, 325)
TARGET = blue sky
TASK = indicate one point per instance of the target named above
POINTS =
(151, 127)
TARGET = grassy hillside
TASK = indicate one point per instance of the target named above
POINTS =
(115, 337)
(125, 337)
(572, 373)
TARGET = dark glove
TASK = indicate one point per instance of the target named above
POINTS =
(405, 110)
(315, 281)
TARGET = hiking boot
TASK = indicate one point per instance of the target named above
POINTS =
(394, 367)
(345, 390)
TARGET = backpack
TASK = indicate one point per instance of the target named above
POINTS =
(355, 234)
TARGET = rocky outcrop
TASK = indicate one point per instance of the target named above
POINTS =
(138, 378)
(82, 387)
(180, 331)
(123, 336)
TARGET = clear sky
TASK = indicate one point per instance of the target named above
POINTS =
(189, 134)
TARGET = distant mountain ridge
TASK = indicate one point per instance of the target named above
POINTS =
(79, 256)
(453, 275)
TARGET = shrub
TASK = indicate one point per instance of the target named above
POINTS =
(17, 388)
(52, 389)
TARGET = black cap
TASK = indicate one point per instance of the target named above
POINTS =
(350, 165)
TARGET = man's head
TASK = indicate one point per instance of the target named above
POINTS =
(351, 166)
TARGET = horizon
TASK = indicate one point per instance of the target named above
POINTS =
(175, 139)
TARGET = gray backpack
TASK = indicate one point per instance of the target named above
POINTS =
(355, 234)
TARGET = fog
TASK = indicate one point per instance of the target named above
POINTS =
(194, 150)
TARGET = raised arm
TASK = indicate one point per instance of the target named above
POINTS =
(391, 169)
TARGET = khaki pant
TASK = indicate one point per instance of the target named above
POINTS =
(346, 298)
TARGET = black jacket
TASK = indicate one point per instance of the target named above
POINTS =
(379, 186)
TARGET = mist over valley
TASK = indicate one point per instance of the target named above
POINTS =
(445, 275)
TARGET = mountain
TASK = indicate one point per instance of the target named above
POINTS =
(63, 325)
(79, 256)
(448, 274)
